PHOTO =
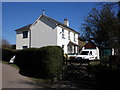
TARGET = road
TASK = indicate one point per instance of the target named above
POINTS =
(12, 79)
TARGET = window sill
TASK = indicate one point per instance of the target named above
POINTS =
(24, 38)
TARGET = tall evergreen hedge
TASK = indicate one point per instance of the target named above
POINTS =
(45, 62)
(7, 54)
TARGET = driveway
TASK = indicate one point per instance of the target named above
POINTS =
(12, 79)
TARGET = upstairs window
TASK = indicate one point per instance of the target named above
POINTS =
(68, 35)
(63, 47)
(63, 34)
(25, 34)
(74, 37)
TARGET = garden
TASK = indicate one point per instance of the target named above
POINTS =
(47, 67)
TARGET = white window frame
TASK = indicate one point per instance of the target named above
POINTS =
(63, 33)
(68, 35)
(74, 37)
(25, 34)
(69, 48)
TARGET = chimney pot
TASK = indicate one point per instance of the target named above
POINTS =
(66, 22)
(65, 19)
(43, 12)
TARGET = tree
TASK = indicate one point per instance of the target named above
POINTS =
(101, 27)
(5, 44)
(118, 11)
(118, 15)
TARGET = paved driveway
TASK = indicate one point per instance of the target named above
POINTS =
(12, 79)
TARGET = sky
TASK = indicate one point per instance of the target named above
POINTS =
(18, 14)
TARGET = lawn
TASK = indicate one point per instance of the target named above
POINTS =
(13, 65)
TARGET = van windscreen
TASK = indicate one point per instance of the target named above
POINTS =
(84, 53)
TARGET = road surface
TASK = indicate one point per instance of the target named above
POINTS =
(12, 79)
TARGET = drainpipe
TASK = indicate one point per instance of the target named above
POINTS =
(30, 39)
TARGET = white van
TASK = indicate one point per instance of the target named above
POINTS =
(89, 54)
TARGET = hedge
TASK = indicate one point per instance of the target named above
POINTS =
(115, 61)
(45, 62)
(7, 54)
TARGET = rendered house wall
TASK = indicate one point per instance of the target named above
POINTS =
(43, 33)
(64, 41)
(47, 32)
(20, 41)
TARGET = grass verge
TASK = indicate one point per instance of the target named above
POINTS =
(13, 65)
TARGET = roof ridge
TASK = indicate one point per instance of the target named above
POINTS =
(60, 23)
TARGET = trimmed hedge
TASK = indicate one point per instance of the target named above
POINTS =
(45, 62)
(115, 60)
(7, 54)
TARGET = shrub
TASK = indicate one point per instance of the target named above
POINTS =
(115, 60)
(106, 78)
(45, 62)
(7, 54)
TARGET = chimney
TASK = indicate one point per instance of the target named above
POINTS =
(43, 12)
(66, 22)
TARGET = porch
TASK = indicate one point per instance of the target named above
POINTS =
(72, 48)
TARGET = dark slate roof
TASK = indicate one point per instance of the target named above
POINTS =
(71, 43)
(58, 23)
(25, 27)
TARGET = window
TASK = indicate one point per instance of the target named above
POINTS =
(69, 47)
(90, 52)
(74, 49)
(74, 37)
(84, 53)
(24, 47)
(63, 47)
(63, 35)
(68, 35)
(25, 34)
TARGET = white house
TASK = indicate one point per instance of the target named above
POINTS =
(46, 31)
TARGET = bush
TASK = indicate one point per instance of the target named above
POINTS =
(118, 61)
(7, 54)
(115, 61)
(106, 78)
(45, 62)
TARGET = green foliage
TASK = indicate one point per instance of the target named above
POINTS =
(7, 54)
(45, 62)
(115, 61)
(5, 44)
(102, 27)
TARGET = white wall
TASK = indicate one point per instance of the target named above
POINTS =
(46, 33)
(20, 41)
(64, 41)
(43, 33)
